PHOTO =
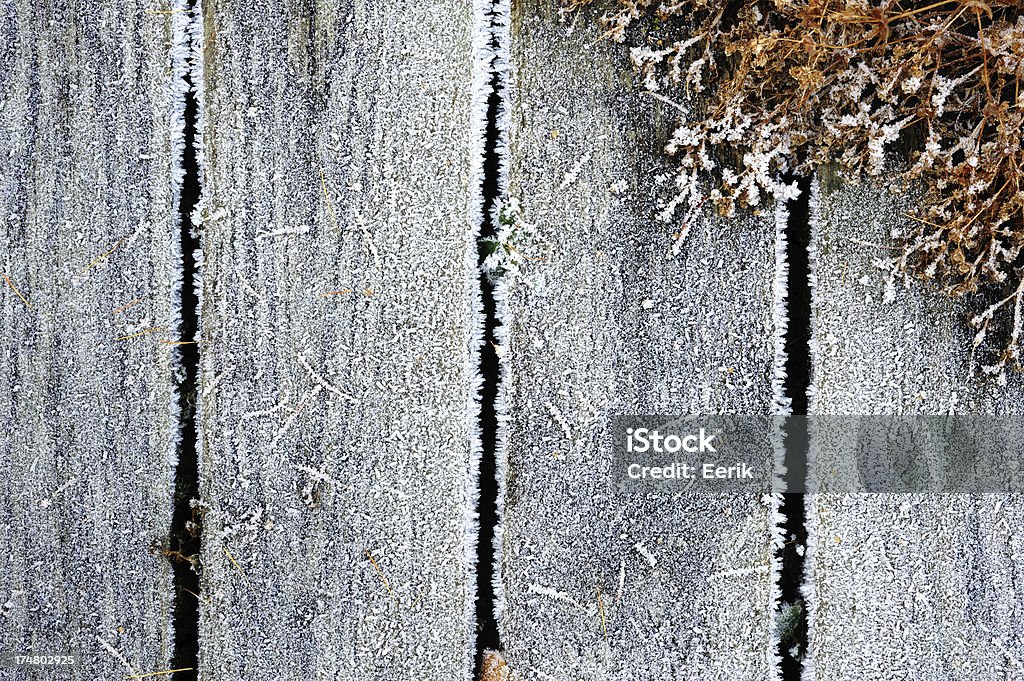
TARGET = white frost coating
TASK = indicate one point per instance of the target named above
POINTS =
(814, 214)
(91, 103)
(781, 403)
(181, 26)
(484, 56)
(501, 22)
(339, 378)
(597, 322)
(902, 586)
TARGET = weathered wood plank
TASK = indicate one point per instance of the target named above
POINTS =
(903, 586)
(91, 101)
(598, 322)
(340, 331)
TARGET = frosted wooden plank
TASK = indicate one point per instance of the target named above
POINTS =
(902, 586)
(91, 103)
(599, 321)
(340, 330)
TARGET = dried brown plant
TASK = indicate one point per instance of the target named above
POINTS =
(494, 668)
(925, 93)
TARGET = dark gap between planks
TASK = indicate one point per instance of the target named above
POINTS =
(185, 529)
(798, 377)
(486, 623)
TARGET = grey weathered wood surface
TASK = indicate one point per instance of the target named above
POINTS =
(903, 586)
(598, 322)
(90, 122)
(339, 333)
